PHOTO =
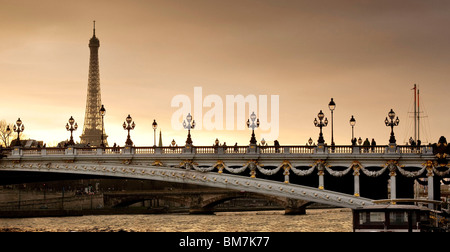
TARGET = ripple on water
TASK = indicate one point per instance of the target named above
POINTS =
(316, 220)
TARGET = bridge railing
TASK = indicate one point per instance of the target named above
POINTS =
(222, 150)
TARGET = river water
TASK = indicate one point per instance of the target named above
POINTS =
(315, 220)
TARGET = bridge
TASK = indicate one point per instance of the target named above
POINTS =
(343, 176)
(205, 201)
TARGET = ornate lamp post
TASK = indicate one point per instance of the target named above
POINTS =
(154, 125)
(353, 123)
(8, 132)
(332, 107)
(321, 123)
(70, 126)
(391, 124)
(189, 126)
(102, 113)
(128, 126)
(253, 126)
(18, 127)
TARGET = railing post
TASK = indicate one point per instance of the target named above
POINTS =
(17, 151)
(188, 149)
(128, 149)
(251, 148)
(427, 149)
(69, 151)
(100, 151)
(320, 148)
(286, 150)
(392, 148)
(158, 150)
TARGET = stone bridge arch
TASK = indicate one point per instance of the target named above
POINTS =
(202, 202)
(117, 200)
(291, 206)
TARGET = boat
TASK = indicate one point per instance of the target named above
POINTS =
(395, 216)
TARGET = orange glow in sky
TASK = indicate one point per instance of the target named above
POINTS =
(367, 55)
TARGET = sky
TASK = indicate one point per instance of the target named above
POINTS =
(366, 55)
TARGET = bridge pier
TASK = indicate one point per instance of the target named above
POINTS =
(295, 207)
(203, 211)
(295, 211)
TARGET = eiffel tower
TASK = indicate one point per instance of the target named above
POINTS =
(93, 125)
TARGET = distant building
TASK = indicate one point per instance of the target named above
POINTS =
(30, 143)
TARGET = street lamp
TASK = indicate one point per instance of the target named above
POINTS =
(102, 113)
(353, 123)
(332, 107)
(253, 126)
(154, 125)
(18, 127)
(189, 126)
(8, 132)
(128, 126)
(321, 123)
(391, 124)
(71, 127)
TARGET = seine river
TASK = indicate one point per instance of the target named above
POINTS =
(315, 220)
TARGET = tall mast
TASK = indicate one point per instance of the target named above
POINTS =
(418, 116)
(415, 113)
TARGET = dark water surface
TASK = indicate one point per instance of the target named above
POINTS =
(315, 220)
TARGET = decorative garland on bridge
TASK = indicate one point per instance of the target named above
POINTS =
(320, 165)
(410, 174)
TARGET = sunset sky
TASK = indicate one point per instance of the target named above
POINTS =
(367, 55)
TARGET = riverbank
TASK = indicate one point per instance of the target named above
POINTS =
(36, 213)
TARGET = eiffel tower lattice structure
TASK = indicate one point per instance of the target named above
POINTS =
(93, 125)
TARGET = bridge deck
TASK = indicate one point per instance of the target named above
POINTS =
(199, 165)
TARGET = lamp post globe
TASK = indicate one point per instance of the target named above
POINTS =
(102, 114)
(154, 126)
(332, 107)
(70, 126)
(253, 125)
(189, 125)
(392, 123)
(128, 126)
(320, 124)
(18, 127)
(353, 123)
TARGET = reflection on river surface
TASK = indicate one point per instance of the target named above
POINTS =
(315, 220)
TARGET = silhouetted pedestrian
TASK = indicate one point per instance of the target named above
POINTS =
(277, 146)
(373, 144)
(366, 145)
